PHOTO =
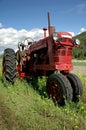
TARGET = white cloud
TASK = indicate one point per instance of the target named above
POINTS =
(9, 37)
(82, 30)
(79, 8)
(1, 25)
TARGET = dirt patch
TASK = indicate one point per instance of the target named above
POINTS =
(79, 69)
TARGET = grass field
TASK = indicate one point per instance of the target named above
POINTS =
(24, 108)
(79, 62)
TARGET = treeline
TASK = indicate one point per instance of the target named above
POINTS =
(80, 53)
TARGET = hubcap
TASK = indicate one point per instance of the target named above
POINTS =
(55, 91)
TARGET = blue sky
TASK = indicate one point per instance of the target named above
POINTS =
(20, 18)
(66, 15)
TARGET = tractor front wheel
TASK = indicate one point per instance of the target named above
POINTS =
(76, 85)
(9, 65)
(59, 89)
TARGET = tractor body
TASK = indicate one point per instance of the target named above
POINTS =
(47, 55)
(50, 57)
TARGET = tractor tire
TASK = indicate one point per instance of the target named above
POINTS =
(59, 89)
(76, 85)
(9, 65)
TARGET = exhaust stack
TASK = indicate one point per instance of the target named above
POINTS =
(51, 29)
(44, 29)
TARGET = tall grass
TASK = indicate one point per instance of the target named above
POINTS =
(25, 106)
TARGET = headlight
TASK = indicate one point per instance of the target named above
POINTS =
(55, 36)
(77, 42)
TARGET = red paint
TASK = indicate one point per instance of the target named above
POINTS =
(48, 55)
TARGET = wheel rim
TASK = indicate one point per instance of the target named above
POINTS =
(55, 91)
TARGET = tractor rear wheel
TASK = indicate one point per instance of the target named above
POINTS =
(59, 89)
(76, 85)
(9, 65)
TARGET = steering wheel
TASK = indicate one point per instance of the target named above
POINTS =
(28, 41)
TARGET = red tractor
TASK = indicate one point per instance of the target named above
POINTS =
(50, 57)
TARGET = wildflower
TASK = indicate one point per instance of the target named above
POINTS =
(85, 117)
(82, 108)
(71, 118)
(76, 126)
